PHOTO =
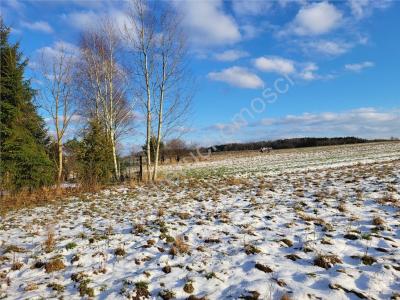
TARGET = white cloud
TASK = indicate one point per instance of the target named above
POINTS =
(329, 47)
(308, 72)
(226, 128)
(364, 8)
(87, 3)
(76, 118)
(231, 55)
(358, 7)
(362, 122)
(38, 26)
(54, 51)
(251, 8)
(301, 70)
(315, 19)
(274, 64)
(360, 66)
(250, 31)
(365, 115)
(237, 76)
(14, 4)
(82, 19)
(91, 19)
(207, 23)
(365, 122)
(285, 3)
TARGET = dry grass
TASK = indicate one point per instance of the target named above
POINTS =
(235, 181)
(286, 297)
(251, 249)
(180, 246)
(378, 221)
(50, 242)
(139, 228)
(160, 212)
(40, 197)
(388, 199)
(188, 287)
(342, 207)
(183, 215)
(16, 265)
(310, 218)
(54, 265)
(56, 287)
(327, 261)
(368, 260)
(263, 268)
(120, 251)
(14, 249)
(31, 287)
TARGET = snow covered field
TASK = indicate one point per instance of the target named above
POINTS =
(319, 223)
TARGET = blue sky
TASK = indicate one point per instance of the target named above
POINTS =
(333, 66)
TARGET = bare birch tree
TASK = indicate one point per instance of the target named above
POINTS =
(172, 93)
(139, 33)
(106, 82)
(56, 68)
(159, 46)
(88, 75)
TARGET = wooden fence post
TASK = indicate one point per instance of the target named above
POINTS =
(140, 168)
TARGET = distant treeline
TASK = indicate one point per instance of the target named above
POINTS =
(291, 143)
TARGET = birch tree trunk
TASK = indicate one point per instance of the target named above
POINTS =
(60, 162)
(160, 121)
(139, 33)
(148, 120)
(114, 152)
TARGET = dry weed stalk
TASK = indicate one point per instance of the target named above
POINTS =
(50, 243)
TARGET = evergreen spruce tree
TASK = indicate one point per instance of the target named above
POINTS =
(96, 157)
(24, 162)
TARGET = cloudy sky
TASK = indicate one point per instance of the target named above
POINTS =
(264, 70)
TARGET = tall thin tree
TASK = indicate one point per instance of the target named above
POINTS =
(56, 68)
(173, 95)
(140, 34)
(158, 43)
(24, 162)
(107, 82)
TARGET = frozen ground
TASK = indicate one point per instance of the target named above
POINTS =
(311, 224)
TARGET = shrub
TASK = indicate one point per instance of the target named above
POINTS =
(71, 245)
(95, 156)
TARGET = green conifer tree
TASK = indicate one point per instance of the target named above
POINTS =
(24, 162)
